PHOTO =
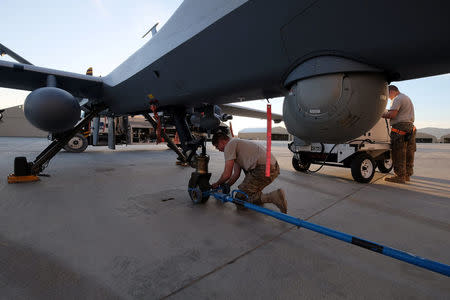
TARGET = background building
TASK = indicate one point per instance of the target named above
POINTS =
(422, 137)
(445, 139)
(278, 134)
(15, 124)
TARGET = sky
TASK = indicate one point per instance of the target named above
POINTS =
(74, 35)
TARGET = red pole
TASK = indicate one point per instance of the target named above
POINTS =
(269, 138)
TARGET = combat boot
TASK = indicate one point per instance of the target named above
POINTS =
(396, 179)
(276, 197)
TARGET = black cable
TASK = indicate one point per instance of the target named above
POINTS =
(326, 158)
(387, 126)
(364, 140)
(321, 152)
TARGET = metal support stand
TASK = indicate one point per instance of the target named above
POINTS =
(391, 252)
(22, 168)
(111, 133)
(126, 128)
(95, 130)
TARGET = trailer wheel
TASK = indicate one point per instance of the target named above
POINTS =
(77, 144)
(363, 168)
(301, 164)
(385, 165)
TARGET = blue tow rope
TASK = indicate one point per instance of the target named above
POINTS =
(394, 253)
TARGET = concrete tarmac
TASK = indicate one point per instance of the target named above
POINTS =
(120, 225)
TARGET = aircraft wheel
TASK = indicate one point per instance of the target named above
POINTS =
(385, 165)
(197, 189)
(301, 163)
(76, 144)
(363, 168)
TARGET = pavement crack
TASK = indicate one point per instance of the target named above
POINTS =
(266, 242)
(340, 200)
(229, 262)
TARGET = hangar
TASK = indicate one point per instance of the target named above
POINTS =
(445, 139)
(278, 134)
(422, 137)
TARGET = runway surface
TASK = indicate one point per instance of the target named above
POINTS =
(120, 225)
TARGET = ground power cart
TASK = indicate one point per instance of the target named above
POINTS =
(362, 155)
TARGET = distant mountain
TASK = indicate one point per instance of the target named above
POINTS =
(437, 132)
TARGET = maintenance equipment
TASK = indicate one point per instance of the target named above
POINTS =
(363, 155)
(197, 195)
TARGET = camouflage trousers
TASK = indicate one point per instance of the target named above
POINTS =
(403, 150)
(255, 181)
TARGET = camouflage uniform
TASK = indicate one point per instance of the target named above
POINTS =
(251, 157)
(403, 151)
(255, 181)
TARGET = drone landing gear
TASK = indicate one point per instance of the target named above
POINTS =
(187, 152)
(199, 182)
(169, 141)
